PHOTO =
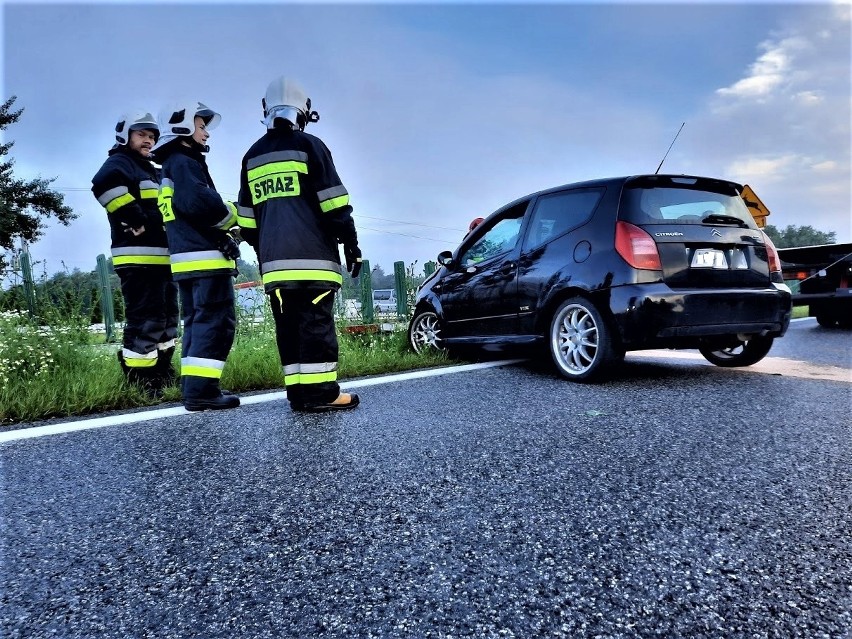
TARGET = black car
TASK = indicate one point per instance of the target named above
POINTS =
(598, 268)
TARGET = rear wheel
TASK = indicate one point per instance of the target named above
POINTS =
(581, 343)
(740, 353)
(424, 332)
(827, 320)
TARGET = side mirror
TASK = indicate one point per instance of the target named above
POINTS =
(445, 258)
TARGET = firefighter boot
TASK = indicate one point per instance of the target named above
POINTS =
(220, 402)
(145, 379)
(165, 370)
(344, 401)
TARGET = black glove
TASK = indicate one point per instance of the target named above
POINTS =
(353, 259)
(229, 247)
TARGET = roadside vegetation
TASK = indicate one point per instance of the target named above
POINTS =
(63, 370)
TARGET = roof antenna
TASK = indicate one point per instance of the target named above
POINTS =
(670, 148)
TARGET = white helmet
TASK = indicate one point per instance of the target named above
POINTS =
(178, 120)
(286, 100)
(134, 121)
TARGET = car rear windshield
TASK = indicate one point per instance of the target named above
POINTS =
(673, 200)
(382, 294)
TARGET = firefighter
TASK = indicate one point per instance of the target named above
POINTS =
(203, 252)
(294, 210)
(126, 186)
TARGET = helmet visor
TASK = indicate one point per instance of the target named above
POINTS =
(210, 117)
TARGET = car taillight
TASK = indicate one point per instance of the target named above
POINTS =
(637, 247)
(772, 254)
(773, 259)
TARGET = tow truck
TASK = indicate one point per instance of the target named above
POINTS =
(819, 276)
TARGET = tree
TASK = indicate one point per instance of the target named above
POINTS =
(798, 236)
(23, 203)
(248, 272)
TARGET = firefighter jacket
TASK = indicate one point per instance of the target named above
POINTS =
(126, 186)
(294, 210)
(196, 217)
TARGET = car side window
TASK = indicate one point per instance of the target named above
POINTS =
(502, 236)
(557, 213)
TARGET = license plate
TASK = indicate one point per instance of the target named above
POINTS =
(709, 258)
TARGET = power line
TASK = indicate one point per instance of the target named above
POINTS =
(416, 237)
(428, 226)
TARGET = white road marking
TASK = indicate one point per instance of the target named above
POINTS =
(160, 413)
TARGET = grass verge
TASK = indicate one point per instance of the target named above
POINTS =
(48, 372)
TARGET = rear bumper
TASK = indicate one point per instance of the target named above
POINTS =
(654, 315)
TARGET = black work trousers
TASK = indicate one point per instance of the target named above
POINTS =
(307, 344)
(209, 324)
(150, 310)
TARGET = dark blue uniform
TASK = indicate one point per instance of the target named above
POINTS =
(294, 210)
(126, 186)
(197, 220)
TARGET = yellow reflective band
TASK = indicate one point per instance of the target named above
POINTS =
(136, 362)
(334, 203)
(232, 221)
(302, 276)
(290, 380)
(247, 222)
(164, 203)
(201, 371)
(118, 202)
(319, 297)
(317, 378)
(141, 259)
(148, 194)
(202, 265)
(277, 167)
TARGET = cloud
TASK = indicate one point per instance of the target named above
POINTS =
(764, 169)
(809, 97)
(769, 72)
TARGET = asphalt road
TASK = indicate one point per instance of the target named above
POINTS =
(677, 500)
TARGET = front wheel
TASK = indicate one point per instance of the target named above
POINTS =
(741, 353)
(424, 332)
(581, 344)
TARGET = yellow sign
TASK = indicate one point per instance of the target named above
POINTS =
(757, 208)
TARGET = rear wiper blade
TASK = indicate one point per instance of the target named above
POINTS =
(720, 218)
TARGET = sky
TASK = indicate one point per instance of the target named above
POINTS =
(439, 113)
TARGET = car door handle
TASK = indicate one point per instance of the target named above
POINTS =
(508, 268)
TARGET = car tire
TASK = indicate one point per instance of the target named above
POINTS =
(742, 354)
(580, 342)
(424, 332)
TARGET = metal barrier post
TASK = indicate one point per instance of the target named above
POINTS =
(401, 289)
(106, 299)
(429, 268)
(29, 285)
(365, 282)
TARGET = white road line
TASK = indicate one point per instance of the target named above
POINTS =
(160, 413)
